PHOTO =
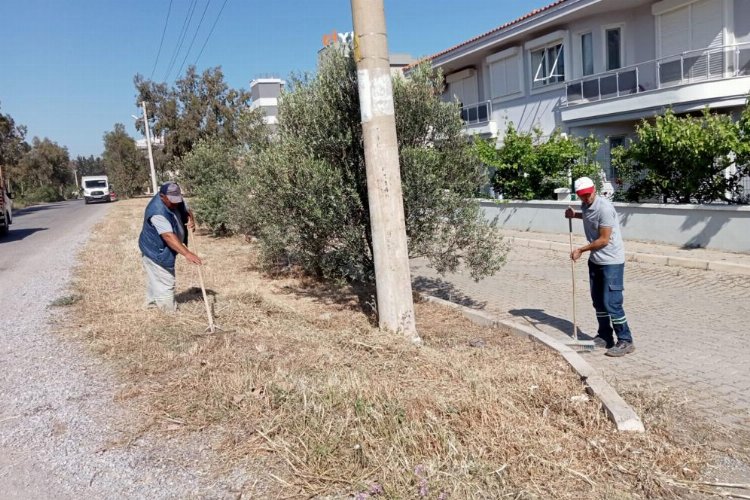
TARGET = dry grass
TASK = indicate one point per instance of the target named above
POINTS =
(301, 377)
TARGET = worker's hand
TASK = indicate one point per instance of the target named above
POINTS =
(191, 224)
(570, 213)
(191, 257)
(575, 254)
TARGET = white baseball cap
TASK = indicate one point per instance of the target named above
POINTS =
(584, 185)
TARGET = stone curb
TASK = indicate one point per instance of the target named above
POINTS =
(647, 258)
(618, 411)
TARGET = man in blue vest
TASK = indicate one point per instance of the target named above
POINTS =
(160, 241)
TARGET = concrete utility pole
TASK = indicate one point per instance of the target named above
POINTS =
(148, 144)
(392, 275)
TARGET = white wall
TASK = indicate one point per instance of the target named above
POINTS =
(719, 227)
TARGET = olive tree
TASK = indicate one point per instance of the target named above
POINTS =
(305, 195)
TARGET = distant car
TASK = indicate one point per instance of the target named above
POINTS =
(96, 188)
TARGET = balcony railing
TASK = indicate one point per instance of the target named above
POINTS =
(729, 61)
(475, 114)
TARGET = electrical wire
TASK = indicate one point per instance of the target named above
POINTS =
(163, 32)
(210, 32)
(195, 35)
(181, 37)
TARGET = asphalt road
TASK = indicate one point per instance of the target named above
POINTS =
(36, 258)
(38, 233)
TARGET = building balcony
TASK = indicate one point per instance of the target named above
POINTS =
(715, 76)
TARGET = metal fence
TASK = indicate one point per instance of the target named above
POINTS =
(711, 63)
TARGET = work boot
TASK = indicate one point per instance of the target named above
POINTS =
(621, 349)
(603, 343)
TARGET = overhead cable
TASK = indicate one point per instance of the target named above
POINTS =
(163, 31)
(210, 32)
(179, 72)
(181, 37)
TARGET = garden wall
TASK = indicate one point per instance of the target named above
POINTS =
(720, 227)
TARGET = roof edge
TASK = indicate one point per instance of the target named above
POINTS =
(531, 16)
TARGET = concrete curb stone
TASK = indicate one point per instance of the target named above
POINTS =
(617, 410)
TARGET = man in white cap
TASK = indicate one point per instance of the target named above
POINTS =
(160, 241)
(606, 266)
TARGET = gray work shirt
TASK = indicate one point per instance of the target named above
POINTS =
(162, 225)
(602, 213)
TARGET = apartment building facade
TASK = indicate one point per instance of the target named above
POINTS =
(600, 66)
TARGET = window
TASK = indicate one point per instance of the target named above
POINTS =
(462, 86)
(587, 54)
(547, 65)
(505, 73)
(613, 39)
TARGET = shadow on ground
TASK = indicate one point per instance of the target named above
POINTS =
(192, 294)
(353, 297)
(446, 291)
(537, 317)
(19, 234)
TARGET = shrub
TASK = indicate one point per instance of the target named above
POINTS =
(305, 196)
(683, 159)
(44, 194)
(209, 173)
(528, 167)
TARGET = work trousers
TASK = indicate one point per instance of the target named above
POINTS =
(160, 283)
(606, 282)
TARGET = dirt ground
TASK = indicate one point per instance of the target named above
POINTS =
(302, 390)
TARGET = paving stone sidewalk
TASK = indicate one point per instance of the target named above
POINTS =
(690, 326)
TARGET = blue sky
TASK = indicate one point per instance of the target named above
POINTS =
(67, 66)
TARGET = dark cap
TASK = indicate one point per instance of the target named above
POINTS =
(172, 191)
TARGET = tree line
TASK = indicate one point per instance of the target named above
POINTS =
(41, 170)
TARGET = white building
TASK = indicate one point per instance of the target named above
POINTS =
(265, 93)
(599, 66)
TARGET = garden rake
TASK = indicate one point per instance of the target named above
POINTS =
(212, 326)
(576, 343)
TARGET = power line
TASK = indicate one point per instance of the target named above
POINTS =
(181, 38)
(169, 10)
(195, 35)
(210, 32)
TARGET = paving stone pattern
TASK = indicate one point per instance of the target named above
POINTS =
(690, 326)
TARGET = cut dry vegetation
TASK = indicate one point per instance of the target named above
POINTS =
(301, 378)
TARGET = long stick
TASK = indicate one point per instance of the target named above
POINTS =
(573, 274)
(211, 325)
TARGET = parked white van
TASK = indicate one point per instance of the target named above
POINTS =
(96, 188)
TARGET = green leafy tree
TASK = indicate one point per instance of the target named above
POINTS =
(528, 166)
(683, 159)
(209, 173)
(44, 172)
(199, 106)
(126, 167)
(89, 165)
(305, 195)
(13, 146)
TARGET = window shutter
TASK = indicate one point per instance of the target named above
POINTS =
(675, 32)
(707, 21)
(505, 77)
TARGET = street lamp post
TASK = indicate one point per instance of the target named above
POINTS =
(148, 145)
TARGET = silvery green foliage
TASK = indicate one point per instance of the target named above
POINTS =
(305, 196)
